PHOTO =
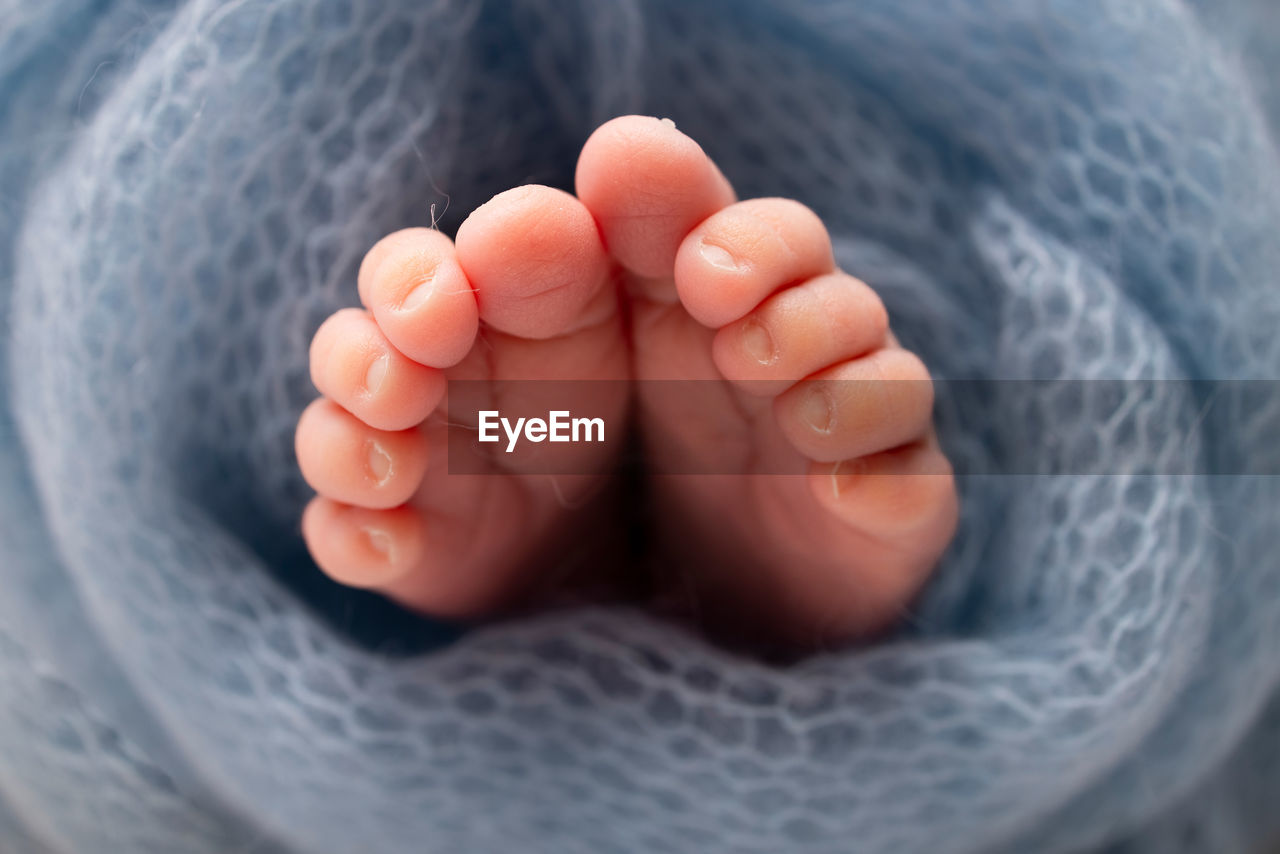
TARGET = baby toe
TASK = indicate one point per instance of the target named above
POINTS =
(647, 184)
(745, 252)
(537, 263)
(906, 492)
(800, 331)
(351, 462)
(419, 296)
(904, 504)
(858, 407)
(355, 366)
(361, 547)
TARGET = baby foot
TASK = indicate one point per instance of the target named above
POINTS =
(526, 292)
(802, 374)
(799, 372)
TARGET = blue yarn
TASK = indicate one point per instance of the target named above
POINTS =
(1040, 189)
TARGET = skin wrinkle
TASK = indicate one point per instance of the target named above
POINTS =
(550, 289)
(877, 367)
(778, 230)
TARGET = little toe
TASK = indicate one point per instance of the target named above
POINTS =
(745, 252)
(419, 296)
(799, 331)
(904, 504)
(351, 462)
(905, 492)
(647, 185)
(355, 366)
(858, 407)
(361, 547)
(537, 262)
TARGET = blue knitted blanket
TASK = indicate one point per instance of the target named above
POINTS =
(1041, 189)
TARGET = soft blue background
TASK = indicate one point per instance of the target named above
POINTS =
(1044, 188)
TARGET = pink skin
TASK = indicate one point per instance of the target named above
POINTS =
(745, 295)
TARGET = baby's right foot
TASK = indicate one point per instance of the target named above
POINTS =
(525, 294)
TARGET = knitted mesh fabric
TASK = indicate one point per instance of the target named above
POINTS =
(1040, 189)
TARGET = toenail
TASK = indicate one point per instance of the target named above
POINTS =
(837, 481)
(718, 256)
(816, 409)
(379, 464)
(379, 541)
(421, 292)
(844, 474)
(757, 342)
(376, 374)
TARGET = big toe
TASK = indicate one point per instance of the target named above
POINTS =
(537, 263)
(647, 185)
